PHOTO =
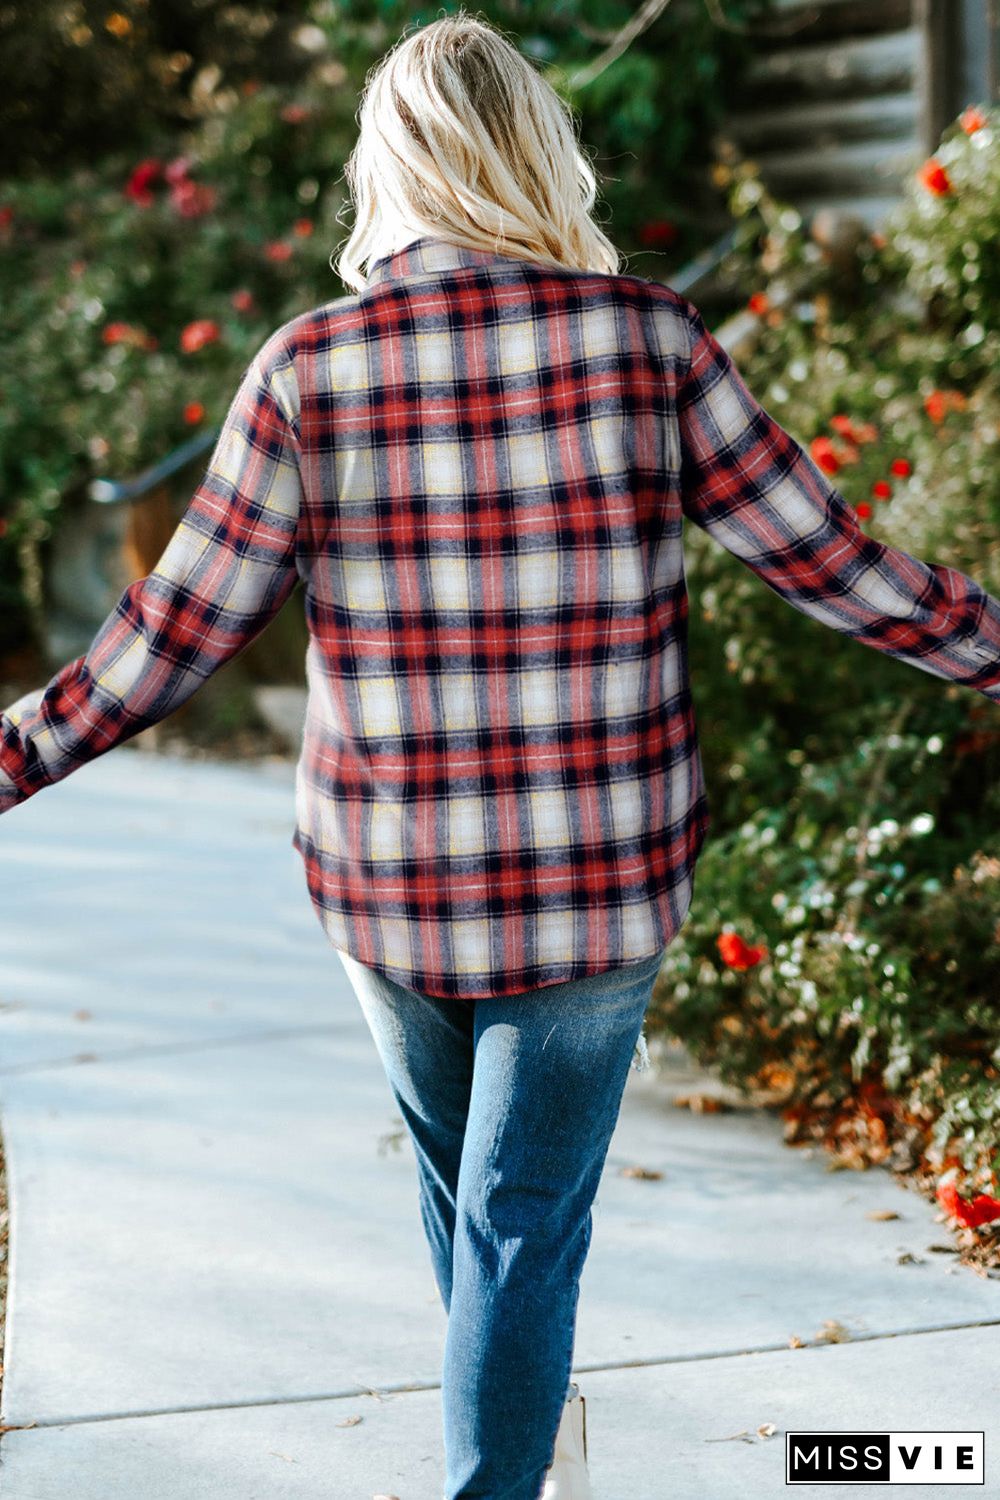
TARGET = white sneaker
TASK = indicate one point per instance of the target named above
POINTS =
(567, 1473)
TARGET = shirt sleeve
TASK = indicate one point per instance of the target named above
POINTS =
(226, 572)
(757, 491)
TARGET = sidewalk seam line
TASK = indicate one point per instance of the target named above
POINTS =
(379, 1391)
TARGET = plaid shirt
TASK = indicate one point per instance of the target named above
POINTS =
(479, 468)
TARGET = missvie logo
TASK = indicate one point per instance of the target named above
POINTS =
(884, 1457)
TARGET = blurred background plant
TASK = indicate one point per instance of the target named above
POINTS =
(842, 955)
(138, 280)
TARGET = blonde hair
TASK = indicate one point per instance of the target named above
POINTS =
(461, 137)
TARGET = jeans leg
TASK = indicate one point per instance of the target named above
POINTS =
(426, 1046)
(549, 1074)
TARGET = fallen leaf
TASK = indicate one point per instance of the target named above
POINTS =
(701, 1104)
(766, 1430)
(882, 1215)
(644, 1172)
(970, 1213)
(848, 1161)
(907, 1258)
(944, 1249)
(795, 1342)
(348, 1422)
(832, 1332)
(393, 1138)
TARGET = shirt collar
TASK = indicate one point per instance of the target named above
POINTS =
(429, 253)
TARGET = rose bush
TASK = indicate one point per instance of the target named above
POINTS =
(136, 285)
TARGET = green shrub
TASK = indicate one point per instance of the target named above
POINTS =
(856, 800)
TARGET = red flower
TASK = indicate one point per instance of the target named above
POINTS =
(879, 240)
(658, 232)
(759, 303)
(934, 178)
(939, 402)
(934, 406)
(140, 182)
(6, 216)
(294, 114)
(737, 954)
(901, 466)
(303, 228)
(823, 455)
(178, 170)
(128, 333)
(278, 250)
(124, 333)
(242, 300)
(972, 119)
(864, 510)
(193, 413)
(199, 333)
(844, 426)
(192, 199)
(970, 1213)
(882, 489)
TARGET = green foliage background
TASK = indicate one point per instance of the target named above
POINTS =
(856, 799)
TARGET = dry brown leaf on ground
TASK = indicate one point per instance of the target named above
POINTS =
(701, 1104)
(647, 1173)
(766, 1430)
(848, 1161)
(348, 1422)
(795, 1342)
(391, 1139)
(882, 1215)
(832, 1332)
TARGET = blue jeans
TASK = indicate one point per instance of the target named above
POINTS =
(510, 1102)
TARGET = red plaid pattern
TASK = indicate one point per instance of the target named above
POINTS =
(479, 469)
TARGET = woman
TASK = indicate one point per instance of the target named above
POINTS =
(478, 462)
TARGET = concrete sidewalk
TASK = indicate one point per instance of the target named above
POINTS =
(219, 1282)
